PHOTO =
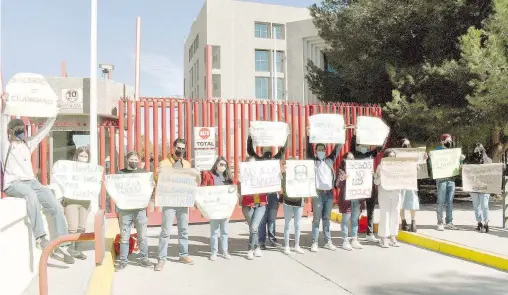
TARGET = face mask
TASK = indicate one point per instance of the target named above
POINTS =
(391, 156)
(20, 135)
(350, 158)
(179, 153)
(405, 146)
(321, 155)
(363, 149)
(221, 169)
(448, 144)
(83, 159)
(133, 165)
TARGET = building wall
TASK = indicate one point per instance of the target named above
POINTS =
(194, 67)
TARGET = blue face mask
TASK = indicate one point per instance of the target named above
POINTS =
(20, 135)
(321, 155)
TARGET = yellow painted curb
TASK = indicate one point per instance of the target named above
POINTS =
(102, 277)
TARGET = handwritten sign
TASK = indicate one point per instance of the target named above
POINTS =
(30, 95)
(300, 179)
(327, 128)
(371, 131)
(359, 181)
(216, 202)
(266, 133)
(399, 174)
(176, 187)
(419, 155)
(77, 181)
(130, 190)
(260, 177)
(445, 163)
(485, 178)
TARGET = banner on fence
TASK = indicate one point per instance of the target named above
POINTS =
(327, 128)
(176, 187)
(359, 181)
(217, 202)
(76, 180)
(204, 147)
(485, 178)
(399, 174)
(266, 133)
(419, 155)
(260, 177)
(30, 95)
(445, 163)
(300, 179)
(371, 131)
(130, 190)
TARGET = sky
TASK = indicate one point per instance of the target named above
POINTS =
(37, 35)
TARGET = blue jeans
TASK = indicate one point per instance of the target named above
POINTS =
(125, 220)
(214, 235)
(268, 221)
(253, 215)
(37, 195)
(182, 219)
(322, 209)
(296, 213)
(481, 206)
(353, 217)
(445, 193)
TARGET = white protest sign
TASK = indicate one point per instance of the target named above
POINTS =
(399, 174)
(260, 177)
(445, 163)
(484, 178)
(77, 181)
(176, 187)
(371, 131)
(359, 181)
(130, 190)
(419, 155)
(327, 128)
(204, 147)
(300, 179)
(265, 133)
(30, 95)
(216, 202)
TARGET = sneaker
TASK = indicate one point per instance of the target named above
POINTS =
(146, 263)
(42, 243)
(314, 247)
(479, 227)
(451, 226)
(160, 265)
(262, 246)
(257, 253)
(120, 266)
(330, 246)
(64, 250)
(250, 255)
(355, 244)
(77, 254)
(346, 245)
(186, 260)
(371, 238)
(394, 242)
(213, 257)
(383, 242)
(440, 227)
(287, 250)
(299, 250)
(273, 244)
(226, 256)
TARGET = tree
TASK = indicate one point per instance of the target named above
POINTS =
(143, 152)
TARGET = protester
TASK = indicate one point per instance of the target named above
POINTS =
(220, 174)
(76, 211)
(389, 206)
(253, 209)
(19, 181)
(410, 200)
(481, 201)
(325, 182)
(350, 209)
(137, 216)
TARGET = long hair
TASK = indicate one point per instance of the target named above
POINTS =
(79, 151)
(227, 173)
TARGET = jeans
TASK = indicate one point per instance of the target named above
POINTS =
(182, 219)
(214, 235)
(353, 217)
(481, 206)
(445, 193)
(322, 209)
(268, 220)
(253, 215)
(125, 219)
(296, 213)
(37, 195)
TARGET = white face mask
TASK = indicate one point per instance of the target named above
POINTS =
(363, 149)
(321, 155)
(221, 169)
(83, 158)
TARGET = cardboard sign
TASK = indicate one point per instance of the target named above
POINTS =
(204, 147)
(327, 128)
(445, 163)
(78, 181)
(419, 155)
(359, 181)
(300, 179)
(484, 178)
(130, 190)
(265, 133)
(176, 187)
(399, 174)
(260, 177)
(30, 95)
(371, 131)
(216, 202)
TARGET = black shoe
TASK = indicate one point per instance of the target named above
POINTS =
(64, 250)
(146, 263)
(273, 244)
(479, 227)
(120, 266)
(404, 225)
(413, 226)
(486, 228)
(262, 246)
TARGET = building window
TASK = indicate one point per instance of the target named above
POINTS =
(190, 53)
(279, 59)
(280, 88)
(262, 87)
(215, 57)
(262, 61)
(216, 85)
(191, 75)
(261, 30)
(279, 31)
(196, 70)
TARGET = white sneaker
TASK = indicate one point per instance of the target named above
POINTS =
(394, 242)
(346, 245)
(440, 227)
(314, 247)
(287, 250)
(383, 242)
(257, 253)
(213, 257)
(226, 256)
(299, 250)
(330, 246)
(371, 238)
(356, 244)
(250, 255)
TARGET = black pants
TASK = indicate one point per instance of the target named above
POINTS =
(371, 204)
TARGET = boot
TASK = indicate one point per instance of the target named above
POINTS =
(479, 227)
(486, 228)
(404, 225)
(413, 226)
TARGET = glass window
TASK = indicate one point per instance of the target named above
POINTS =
(216, 89)
(262, 87)
(261, 30)
(191, 74)
(280, 61)
(262, 61)
(278, 31)
(196, 70)
(215, 57)
(280, 88)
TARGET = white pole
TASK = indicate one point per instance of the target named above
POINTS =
(94, 154)
(275, 73)
(136, 64)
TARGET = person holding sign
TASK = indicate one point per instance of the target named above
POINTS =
(127, 217)
(325, 182)
(481, 201)
(220, 174)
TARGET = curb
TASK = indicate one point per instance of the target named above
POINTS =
(102, 276)
(446, 247)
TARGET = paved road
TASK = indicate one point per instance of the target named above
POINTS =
(406, 270)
